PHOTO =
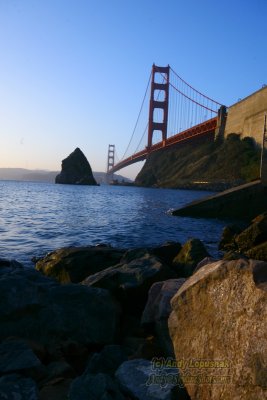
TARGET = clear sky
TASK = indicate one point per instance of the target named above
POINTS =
(73, 72)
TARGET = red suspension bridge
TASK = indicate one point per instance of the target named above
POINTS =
(177, 113)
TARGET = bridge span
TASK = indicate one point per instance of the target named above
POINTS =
(189, 112)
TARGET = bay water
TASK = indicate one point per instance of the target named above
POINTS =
(36, 218)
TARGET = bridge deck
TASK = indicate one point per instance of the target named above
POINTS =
(202, 129)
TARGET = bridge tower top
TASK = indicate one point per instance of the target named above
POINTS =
(156, 104)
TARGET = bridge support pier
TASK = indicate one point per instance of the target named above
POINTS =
(221, 122)
(154, 104)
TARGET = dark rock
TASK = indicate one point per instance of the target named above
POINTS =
(168, 251)
(141, 380)
(17, 356)
(73, 264)
(192, 252)
(14, 387)
(59, 369)
(107, 361)
(94, 387)
(158, 309)
(76, 170)
(254, 235)
(56, 390)
(227, 241)
(130, 282)
(33, 306)
(258, 252)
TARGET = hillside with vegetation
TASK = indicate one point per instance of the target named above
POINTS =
(203, 164)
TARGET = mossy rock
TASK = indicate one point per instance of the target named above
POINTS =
(258, 252)
(192, 252)
(254, 235)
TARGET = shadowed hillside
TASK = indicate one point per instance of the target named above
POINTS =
(205, 164)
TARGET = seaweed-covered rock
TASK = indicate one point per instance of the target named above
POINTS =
(76, 170)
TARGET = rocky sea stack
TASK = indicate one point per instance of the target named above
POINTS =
(76, 170)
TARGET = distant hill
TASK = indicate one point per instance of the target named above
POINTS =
(22, 174)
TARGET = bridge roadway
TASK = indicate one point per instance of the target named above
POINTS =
(202, 129)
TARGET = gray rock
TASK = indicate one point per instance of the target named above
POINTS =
(130, 282)
(16, 387)
(76, 170)
(33, 306)
(94, 387)
(158, 309)
(140, 379)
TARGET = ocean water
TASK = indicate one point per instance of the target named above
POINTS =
(36, 218)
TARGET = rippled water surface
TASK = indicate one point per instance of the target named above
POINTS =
(38, 217)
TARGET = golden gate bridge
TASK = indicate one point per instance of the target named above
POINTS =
(177, 113)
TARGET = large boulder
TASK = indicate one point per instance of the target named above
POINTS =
(35, 307)
(73, 264)
(130, 282)
(76, 170)
(218, 327)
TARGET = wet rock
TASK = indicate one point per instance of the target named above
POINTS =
(76, 170)
(192, 252)
(73, 264)
(33, 306)
(223, 310)
(14, 387)
(130, 282)
(143, 381)
(94, 387)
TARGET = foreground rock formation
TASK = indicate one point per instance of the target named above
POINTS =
(76, 170)
(218, 327)
(92, 323)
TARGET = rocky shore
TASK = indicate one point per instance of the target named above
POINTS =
(151, 323)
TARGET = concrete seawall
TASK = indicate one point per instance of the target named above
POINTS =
(242, 202)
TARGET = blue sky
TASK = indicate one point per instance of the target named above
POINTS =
(73, 72)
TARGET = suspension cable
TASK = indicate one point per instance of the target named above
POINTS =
(138, 116)
(191, 87)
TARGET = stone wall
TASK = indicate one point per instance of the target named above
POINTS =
(247, 116)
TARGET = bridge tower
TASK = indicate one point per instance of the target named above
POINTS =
(154, 104)
(110, 162)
